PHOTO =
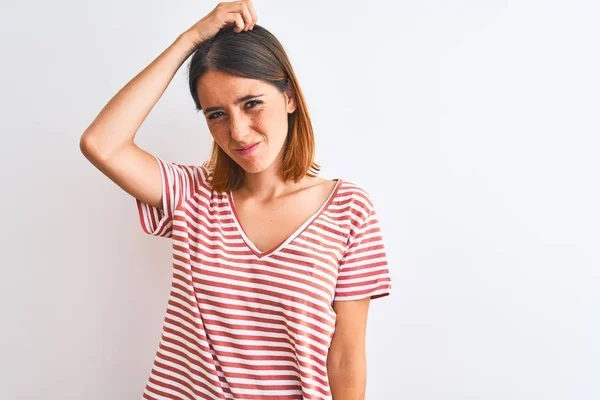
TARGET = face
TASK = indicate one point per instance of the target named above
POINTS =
(246, 117)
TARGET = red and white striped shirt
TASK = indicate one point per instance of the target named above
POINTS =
(252, 325)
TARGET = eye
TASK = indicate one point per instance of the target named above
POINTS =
(216, 115)
(254, 101)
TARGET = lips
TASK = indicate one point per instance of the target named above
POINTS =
(246, 148)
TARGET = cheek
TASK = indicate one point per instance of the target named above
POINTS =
(220, 136)
(260, 124)
(270, 123)
(216, 133)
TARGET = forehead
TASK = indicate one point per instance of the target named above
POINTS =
(220, 88)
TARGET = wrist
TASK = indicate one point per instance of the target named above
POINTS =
(187, 41)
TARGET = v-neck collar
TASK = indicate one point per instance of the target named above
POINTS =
(294, 235)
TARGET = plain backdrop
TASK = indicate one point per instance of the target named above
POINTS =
(473, 125)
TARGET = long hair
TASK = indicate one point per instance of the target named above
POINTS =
(255, 54)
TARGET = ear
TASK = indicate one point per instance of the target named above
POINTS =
(290, 101)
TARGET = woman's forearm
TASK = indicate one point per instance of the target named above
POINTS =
(118, 122)
(348, 382)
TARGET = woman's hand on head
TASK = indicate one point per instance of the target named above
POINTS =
(240, 14)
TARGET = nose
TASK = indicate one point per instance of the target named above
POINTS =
(239, 128)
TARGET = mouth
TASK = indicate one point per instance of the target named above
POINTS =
(248, 149)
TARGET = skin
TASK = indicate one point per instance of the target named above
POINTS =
(249, 122)
(266, 199)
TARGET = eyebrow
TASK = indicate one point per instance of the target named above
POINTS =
(238, 101)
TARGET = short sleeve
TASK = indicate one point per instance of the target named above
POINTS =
(363, 269)
(179, 184)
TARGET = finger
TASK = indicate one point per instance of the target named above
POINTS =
(247, 17)
(252, 12)
(238, 22)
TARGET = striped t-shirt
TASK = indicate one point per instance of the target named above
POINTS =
(252, 325)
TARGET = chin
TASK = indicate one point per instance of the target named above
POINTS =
(255, 166)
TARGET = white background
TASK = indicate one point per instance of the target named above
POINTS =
(473, 124)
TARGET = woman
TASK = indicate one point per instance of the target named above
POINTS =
(273, 266)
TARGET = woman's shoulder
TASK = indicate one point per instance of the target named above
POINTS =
(207, 167)
(355, 201)
(198, 173)
(356, 193)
